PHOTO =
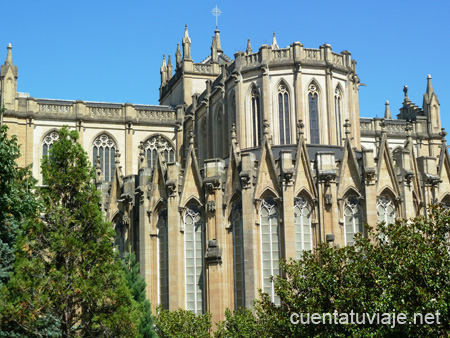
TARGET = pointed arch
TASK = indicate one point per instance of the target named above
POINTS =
(194, 247)
(387, 206)
(445, 200)
(338, 112)
(254, 111)
(313, 97)
(104, 146)
(218, 130)
(303, 211)
(151, 145)
(269, 192)
(270, 237)
(282, 119)
(353, 216)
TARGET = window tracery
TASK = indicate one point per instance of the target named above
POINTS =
(353, 219)
(105, 148)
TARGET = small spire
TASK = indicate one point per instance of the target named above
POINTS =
(117, 157)
(186, 38)
(249, 47)
(178, 56)
(217, 41)
(430, 89)
(233, 133)
(9, 59)
(214, 54)
(169, 68)
(443, 133)
(191, 138)
(387, 111)
(274, 42)
(266, 126)
(163, 66)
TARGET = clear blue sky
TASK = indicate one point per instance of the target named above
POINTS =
(112, 50)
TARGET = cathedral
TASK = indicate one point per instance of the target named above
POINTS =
(247, 159)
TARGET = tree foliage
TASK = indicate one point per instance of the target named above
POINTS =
(66, 276)
(241, 323)
(402, 268)
(136, 284)
(17, 201)
(182, 324)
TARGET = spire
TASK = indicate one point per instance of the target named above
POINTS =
(163, 66)
(274, 42)
(186, 42)
(178, 56)
(387, 111)
(430, 89)
(249, 47)
(214, 54)
(9, 59)
(217, 41)
(169, 69)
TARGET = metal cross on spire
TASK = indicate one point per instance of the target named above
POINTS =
(216, 12)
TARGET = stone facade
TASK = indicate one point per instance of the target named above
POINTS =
(245, 161)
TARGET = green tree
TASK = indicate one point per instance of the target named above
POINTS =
(241, 323)
(17, 201)
(182, 324)
(66, 275)
(136, 284)
(402, 268)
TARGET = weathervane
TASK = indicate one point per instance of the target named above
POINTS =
(216, 12)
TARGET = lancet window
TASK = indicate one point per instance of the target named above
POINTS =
(238, 256)
(284, 114)
(385, 210)
(303, 233)
(353, 219)
(256, 117)
(313, 99)
(163, 260)
(105, 148)
(151, 150)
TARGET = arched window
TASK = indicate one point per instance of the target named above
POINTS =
(353, 219)
(238, 256)
(163, 260)
(270, 246)
(105, 148)
(302, 215)
(119, 241)
(385, 210)
(283, 114)
(218, 138)
(256, 117)
(337, 111)
(193, 234)
(313, 99)
(151, 150)
(48, 142)
(446, 202)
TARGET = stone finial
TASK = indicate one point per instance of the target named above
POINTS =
(408, 129)
(164, 66)
(387, 111)
(214, 53)
(347, 126)
(178, 56)
(98, 171)
(159, 143)
(249, 47)
(191, 137)
(98, 163)
(9, 59)
(405, 90)
(169, 68)
(186, 38)
(141, 148)
(443, 133)
(233, 133)
(117, 157)
(300, 129)
(266, 126)
(274, 42)
(383, 125)
(430, 89)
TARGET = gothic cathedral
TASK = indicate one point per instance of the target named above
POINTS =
(245, 161)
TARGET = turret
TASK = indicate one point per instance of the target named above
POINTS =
(186, 42)
(8, 82)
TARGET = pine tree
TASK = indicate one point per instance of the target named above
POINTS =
(136, 284)
(65, 273)
(16, 200)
